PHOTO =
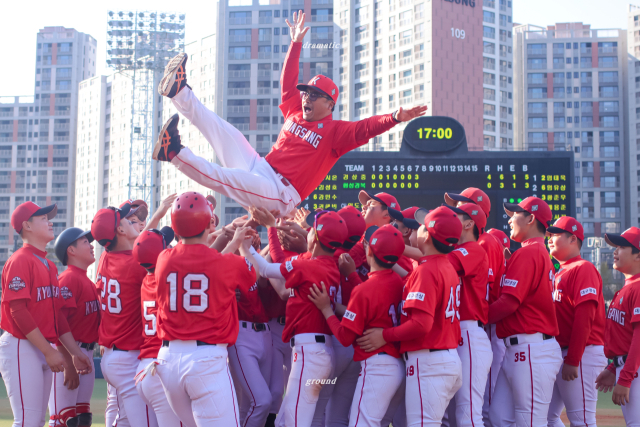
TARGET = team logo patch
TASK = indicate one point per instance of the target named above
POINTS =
(574, 228)
(16, 284)
(505, 240)
(636, 311)
(393, 205)
(319, 227)
(490, 272)
(374, 240)
(474, 212)
(288, 266)
(621, 300)
(588, 291)
(248, 264)
(320, 125)
(65, 292)
(534, 208)
(510, 282)
(432, 224)
(463, 251)
(349, 315)
(415, 295)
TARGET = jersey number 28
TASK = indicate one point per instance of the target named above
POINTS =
(194, 300)
(112, 289)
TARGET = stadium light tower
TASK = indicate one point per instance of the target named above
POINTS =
(139, 45)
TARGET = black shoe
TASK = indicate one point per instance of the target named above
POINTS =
(175, 76)
(85, 419)
(271, 421)
(168, 144)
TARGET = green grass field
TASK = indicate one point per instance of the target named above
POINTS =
(609, 415)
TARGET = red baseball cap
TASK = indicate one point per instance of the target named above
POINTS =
(355, 224)
(330, 228)
(470, 195)
(501, 236)
(322, 84)
(386, 242)
(475, 212)
(139, 208)
(386, 199)
(534, 206)
(442, 224)
(106, 221)
(406, 217)
(149, 244)
(26, 210)
(568, 224)
(630, 237)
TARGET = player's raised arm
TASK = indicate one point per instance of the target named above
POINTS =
(290, 70)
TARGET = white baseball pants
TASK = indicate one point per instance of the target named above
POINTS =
(198, 384)
(311, 363)
(280, 365)
(244, 175)
(27, 377)
(250, 366)
(62, 398)
(580, 396)
(397, 412)
(334, 404)
(631, 411)
(111, 410)
(433, 378)
(525, 383)
(151, 391)
(497, 349)
(119, 369)
(380, 378)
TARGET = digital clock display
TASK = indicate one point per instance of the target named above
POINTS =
(434, 134)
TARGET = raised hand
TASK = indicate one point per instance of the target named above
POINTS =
(411, 113)
(297, 29)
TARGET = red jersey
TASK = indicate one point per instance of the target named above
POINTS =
(374, 304)
(470, 260)
(623, 314)
(497, 263)
(152, 342)
(433, 288)
(274, 306)
(119, 280)
(29, 275)
(196, 299)
(250, 308)
(83, 304)
(305, 151)
(529, 277)
(300, 275)
(360, 259)
(578, 281)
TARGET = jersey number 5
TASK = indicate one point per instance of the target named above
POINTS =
(195, 299)
(452, 307)
(150, 319)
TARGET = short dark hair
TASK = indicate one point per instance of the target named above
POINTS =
(327, 248)
(113, 244)
(566, 233)
(541, 227)
(381, 264)
(634, 250)
(476, 232)
(197, 235)
(441, 247)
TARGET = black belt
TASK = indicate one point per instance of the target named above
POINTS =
(564, 348)
(114, 348)
(616, 360)
(514, 340)
(198, 343)
(319, 339)
(480, 324)
(89, 346)
(258, 327)
(281, 320)
(432, 350)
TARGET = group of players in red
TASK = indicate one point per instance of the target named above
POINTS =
(382, 315)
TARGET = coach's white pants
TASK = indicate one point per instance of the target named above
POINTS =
(198, 384)
(151, 391)
(380, 377)
(631, 411)
(580, 396)
(280, 365)
(525, 383)
(119, 369)
(311, 363)
(497, 349)
(244, 175)
(27, 377)
(62, 398)
(250, 366)
(433, 378)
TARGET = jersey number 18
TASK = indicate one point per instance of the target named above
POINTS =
(195, 299)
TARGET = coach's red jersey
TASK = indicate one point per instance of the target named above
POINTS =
(119, 281)
(529, 277)
(623, 315)
(496, 262)
(374, 304)
(82, 305)
(305, 151)
(300, 274)
(152, 342)
(578, 281)
(474, 294)
(197, 293)
(432, 289)
(29, 275)
(250, 308)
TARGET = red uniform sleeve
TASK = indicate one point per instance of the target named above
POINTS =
(632, 364)
(291, 102)
(518, 276)
(456, 263)
(419, 324)
(348, 285)
(63, 325)
(355, 316)
(22, 316)
(18, 279)
(503, 307)
(588, 284)
(357, 254)
(585, 313)
(341, 332)
(275, 248)
(355, 134)
(245, 273)
(423, 292)
(294, 272)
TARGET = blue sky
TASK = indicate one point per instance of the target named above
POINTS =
(23, 19)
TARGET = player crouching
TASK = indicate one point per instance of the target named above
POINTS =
(198, 316)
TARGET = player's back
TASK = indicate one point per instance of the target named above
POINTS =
(119, 280)
(495, 257)
(196, 293)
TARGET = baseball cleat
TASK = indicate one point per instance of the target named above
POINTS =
(175, 76)
(168, 144)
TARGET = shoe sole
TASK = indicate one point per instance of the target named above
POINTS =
(169, 77)
(158, 146)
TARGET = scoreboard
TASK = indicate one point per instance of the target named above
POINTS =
(434, 159)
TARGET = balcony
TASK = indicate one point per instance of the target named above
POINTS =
(584, 51)
(540, 111)
(237, 109)
(265, 20)
(405, 60)
(609, 94)
(406, 100)
(558, 51)
(264, 91)
(419, 55)
(240, 21)
(239, 91)
(558, 65)
(321, 18)
(362, 54)
(264, 109)
(406, 80)
(62, 152)
(56, 178)
(608, 50)
(264, 38)
(489, 34)
(362, 111)
(240, 56)
(362, 35)
(362, 92)
(586, 80)
(243, 74)
(404, 22)
(362, 73)
(611, 79)
(241, 38)
(536, 52)
(241, 126)
(405, 41)
(264, 126)
(489, 128)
